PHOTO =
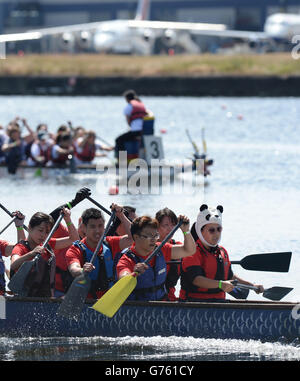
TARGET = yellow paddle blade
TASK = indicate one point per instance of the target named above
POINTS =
(112, 300)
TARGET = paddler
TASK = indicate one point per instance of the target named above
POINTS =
(152, 277)
(207, 275)
(135, 111)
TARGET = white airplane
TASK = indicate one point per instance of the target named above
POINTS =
(139, 35)
(136, 36)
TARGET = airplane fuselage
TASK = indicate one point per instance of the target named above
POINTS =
(282, 26)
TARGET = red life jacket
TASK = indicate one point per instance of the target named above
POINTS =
(138, 110)
(61, 159)
(44, 151)
(216, 265)
(87, 154)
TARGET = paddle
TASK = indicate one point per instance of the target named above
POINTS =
(99, 205)
(105, 142)
(276, 262)
(196, 149)
(203, 141)
(16, 284)
(273, 293)
(13, 220)
(11, 215)
(74, 299)
(239, 293)
(112, 300)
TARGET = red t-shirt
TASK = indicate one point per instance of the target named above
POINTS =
(127, 264)
(20, 249)
(3, 246)
(60, 255)
(74, 254)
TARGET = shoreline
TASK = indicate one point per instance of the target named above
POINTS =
(175, 85)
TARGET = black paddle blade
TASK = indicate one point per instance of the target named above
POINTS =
(277, 262)
(239, 293)
(16, 284)
(276, 293)
(74, 299)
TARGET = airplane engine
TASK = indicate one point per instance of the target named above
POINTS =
(67, 41)
(169, 38)
(147, 35)
(84, 40)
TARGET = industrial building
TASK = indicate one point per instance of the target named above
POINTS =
(20, 15)
(24, 15)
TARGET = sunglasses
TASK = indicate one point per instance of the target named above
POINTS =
(213, 230)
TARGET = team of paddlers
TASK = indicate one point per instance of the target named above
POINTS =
(42, 148)
(197, 261)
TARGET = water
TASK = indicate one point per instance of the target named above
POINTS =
(255, 146)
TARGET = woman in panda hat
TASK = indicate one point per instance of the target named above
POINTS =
(207, 274)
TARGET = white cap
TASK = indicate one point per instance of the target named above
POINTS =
(208, 215)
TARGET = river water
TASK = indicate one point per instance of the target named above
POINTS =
(255, 146)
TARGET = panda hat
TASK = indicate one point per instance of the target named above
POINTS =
(208, 215)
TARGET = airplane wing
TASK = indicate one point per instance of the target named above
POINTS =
(205, 29)
(39, 33)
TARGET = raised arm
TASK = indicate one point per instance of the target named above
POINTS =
(188, 247)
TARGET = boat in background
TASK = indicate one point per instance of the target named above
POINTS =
(144, 157)
(233, 319)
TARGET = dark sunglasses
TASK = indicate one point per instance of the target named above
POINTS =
(212, 230)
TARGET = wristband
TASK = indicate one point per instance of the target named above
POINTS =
(20, 227)
(185, 233)
(220, 284)
(69, 223)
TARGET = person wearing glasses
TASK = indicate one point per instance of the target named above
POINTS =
(207, 275)
(152, 277)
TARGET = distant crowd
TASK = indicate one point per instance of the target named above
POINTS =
(40, 147)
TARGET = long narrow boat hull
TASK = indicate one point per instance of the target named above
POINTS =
(94, 171)
(266, 321)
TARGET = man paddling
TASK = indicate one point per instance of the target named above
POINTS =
(41, 280)
(152, 277)
(207, 275)
(79, 254)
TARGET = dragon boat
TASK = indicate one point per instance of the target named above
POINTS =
(232, 319)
